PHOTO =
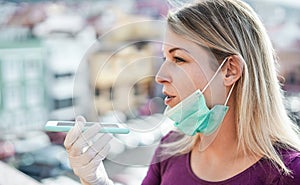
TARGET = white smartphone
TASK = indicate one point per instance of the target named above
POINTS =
(65, 126)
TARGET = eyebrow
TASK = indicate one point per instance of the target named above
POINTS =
(174, 49)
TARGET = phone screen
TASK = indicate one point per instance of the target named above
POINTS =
(87, 124)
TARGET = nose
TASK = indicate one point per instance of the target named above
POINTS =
(162, 75)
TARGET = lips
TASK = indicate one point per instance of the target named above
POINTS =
(168, 98)
(169, 95)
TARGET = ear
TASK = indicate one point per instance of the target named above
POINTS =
(232, 69)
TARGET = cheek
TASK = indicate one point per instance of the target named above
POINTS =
(182, 83)
(217, 91)
(199, 79)
(188, 81)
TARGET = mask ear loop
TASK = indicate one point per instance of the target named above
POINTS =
(209, 139)
(216, 73)
(202, 146)
(229, 94)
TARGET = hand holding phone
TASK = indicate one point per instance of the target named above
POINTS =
(86, 149)
(65, 126)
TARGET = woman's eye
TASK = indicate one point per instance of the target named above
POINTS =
(178, 59)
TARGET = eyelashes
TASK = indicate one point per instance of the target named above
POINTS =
(178, 59)
(175, 59)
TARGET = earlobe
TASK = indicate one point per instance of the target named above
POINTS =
(232, 70)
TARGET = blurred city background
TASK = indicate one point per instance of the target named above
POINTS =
(98, 58)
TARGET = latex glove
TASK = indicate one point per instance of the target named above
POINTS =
(86, 152)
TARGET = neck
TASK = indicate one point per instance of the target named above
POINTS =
(221, 159)
(223, 143)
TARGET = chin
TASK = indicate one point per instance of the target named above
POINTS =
(173, 104)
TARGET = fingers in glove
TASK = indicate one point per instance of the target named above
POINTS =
(100, 147)
(90, 168)
(84, 140)
(101, 176)
(101, 143)
(74, 133)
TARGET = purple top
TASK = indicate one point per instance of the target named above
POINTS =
(176, 170)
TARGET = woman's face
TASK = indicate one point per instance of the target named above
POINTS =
(188, 67)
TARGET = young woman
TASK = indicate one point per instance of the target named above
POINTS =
(222, 92)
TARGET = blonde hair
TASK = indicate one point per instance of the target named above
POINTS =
(231, 27)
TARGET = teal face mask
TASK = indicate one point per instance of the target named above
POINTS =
(192, 116)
